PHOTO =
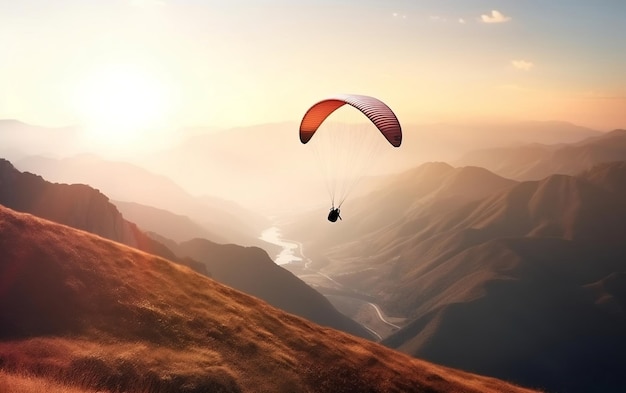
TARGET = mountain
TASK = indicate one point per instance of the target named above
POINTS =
(527, 283)
(86, 313)
(18, 140)
(250, 270)
(75, 205)
(536, 161)
(423, 190)
(495, 134)
(172, 226)
(264, 166)
(523, 283)
(127, 182)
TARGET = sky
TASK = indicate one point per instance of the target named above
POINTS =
(134, 65)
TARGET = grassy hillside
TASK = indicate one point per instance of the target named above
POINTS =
(91, 314)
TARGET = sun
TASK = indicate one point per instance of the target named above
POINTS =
(119, 104)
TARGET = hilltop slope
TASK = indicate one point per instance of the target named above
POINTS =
(77, 307)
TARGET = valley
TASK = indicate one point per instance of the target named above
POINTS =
(360, 307)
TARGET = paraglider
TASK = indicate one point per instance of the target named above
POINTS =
(345, 154)
(334, 214)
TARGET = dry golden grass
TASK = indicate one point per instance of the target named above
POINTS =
(96, 315)
(23, 383)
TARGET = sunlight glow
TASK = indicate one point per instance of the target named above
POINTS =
(119, 103)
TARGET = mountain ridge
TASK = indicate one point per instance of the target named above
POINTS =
(536, 161)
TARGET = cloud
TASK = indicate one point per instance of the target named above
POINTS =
(495, 17)
(522, 64)
(437, 18)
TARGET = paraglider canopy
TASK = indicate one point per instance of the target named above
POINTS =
(376, 111)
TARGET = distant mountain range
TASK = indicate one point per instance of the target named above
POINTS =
(18, 139)
(81, 313)
(173, 226)
(524, 283)
(536, 161)
(270, 159)
(265, 166)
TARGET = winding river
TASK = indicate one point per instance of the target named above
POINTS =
(289, 249)
(291, 252)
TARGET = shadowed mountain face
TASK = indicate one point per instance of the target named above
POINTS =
(534, 162)
(525, 284)
(83, 310)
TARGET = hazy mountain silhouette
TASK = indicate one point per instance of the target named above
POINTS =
(127, 182)
(266, 167)
(269, 158)
(536, 161)
(525, 284)
(18, 139)
(173, 226)
(88, 312)
(251, 164)
(513, 133)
